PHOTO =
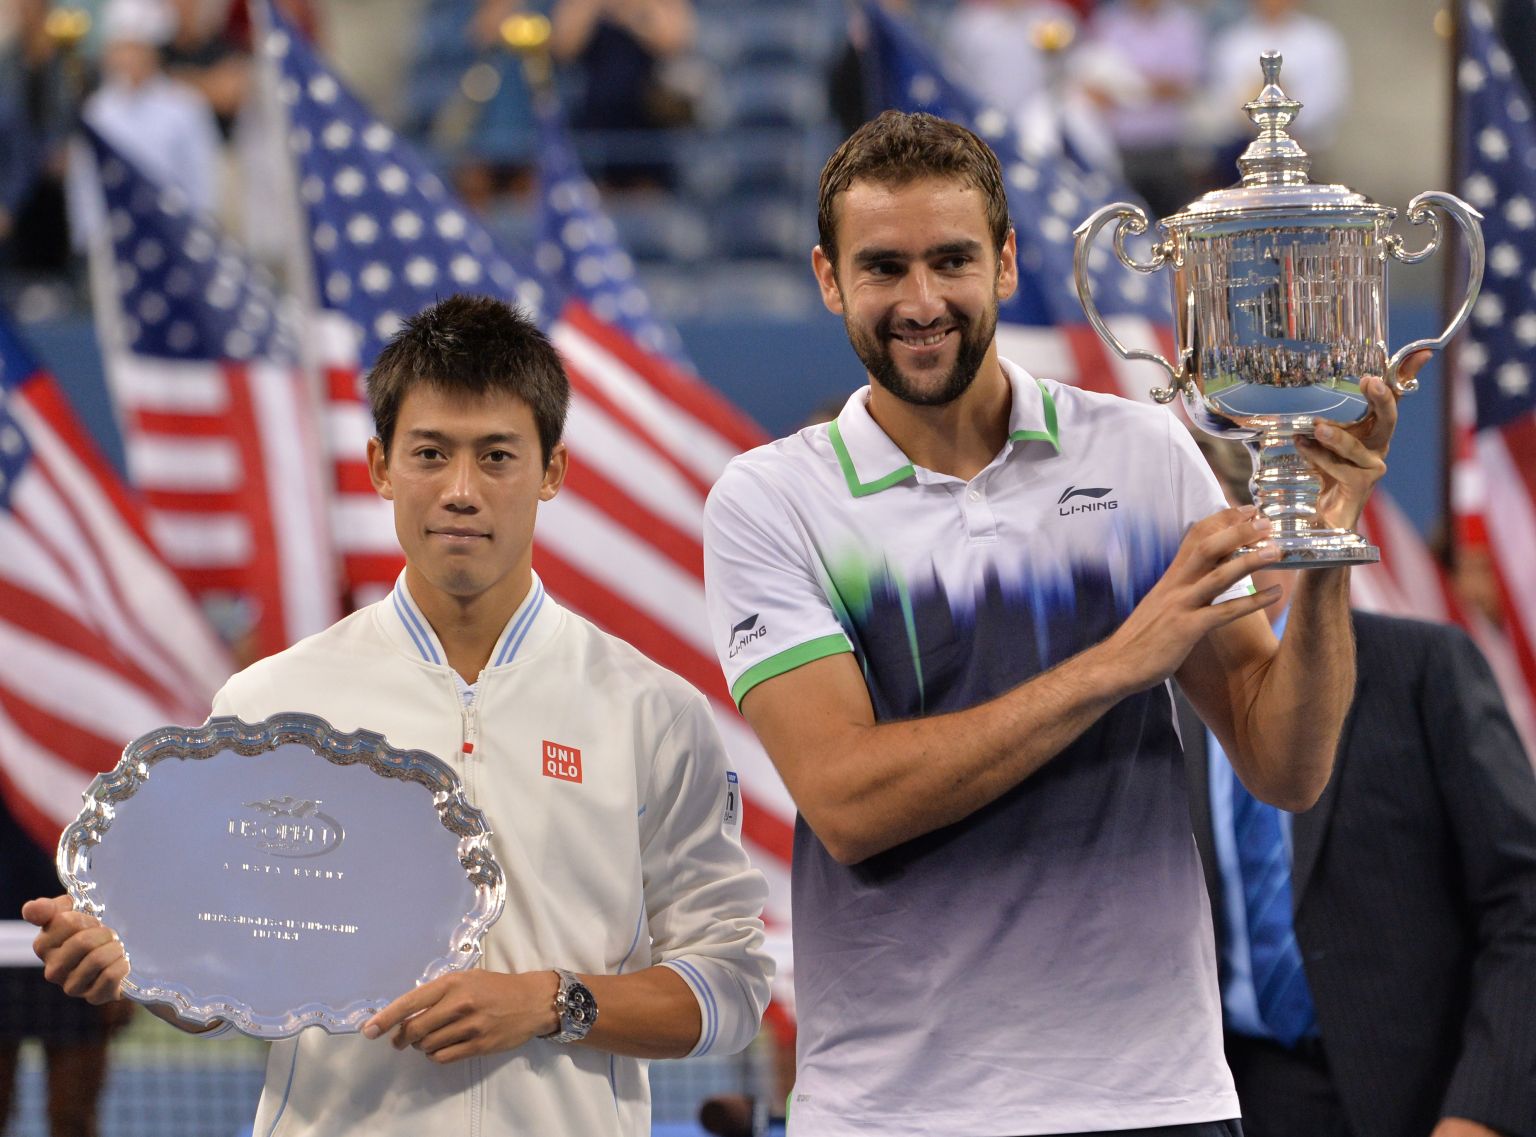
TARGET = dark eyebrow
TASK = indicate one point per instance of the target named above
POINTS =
(968, 248)
(953, 248)
(865, 257)
(421, 434)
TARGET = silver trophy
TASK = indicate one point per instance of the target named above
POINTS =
(1280, 309)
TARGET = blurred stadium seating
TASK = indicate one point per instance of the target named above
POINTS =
(734, 232)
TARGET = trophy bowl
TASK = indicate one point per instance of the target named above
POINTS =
(1280, 310)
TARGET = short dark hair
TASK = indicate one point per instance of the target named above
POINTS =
(896, 149)
(471, 345)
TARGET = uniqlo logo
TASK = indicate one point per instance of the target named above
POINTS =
(563, 762)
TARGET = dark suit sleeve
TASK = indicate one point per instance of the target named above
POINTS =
(1489, 792)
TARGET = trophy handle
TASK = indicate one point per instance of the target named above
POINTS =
(1468, 218)
(1133, 222)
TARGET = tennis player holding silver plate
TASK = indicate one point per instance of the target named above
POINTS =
(334, 890)
(282, 874)
(1280, 309)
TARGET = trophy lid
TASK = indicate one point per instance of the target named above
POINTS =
(1274, 167)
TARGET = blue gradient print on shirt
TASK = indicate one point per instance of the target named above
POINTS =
(1032, 896)
(926, 648)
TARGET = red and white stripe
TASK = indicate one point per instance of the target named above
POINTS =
(362, 523)
(222, 454)
(99, 642)
(1494, 502)
(1506, 463)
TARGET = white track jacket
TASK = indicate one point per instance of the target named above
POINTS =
(638, 862)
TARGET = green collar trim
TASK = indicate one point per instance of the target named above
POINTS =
(863, 489)
(851, 475)
(1049, 434)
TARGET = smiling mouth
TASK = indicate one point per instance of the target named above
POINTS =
(928, 339)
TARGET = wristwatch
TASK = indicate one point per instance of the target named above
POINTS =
(575, 1006)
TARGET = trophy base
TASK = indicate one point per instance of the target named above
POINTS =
(1325, 549)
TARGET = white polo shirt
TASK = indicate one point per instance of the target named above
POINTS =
(1045, 965)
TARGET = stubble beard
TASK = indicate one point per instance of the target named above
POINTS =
(874, 351)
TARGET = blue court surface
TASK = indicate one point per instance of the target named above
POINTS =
(211, 1091)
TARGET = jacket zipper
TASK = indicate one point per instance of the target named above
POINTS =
(476, 1096)
(470, 716)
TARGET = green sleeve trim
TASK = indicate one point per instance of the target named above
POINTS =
(1049, 434)
(788, 660)
(851, 476)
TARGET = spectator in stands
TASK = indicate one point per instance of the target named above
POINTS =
(472, 99)
(1029, 59)
(1163, 44)
(1003, 49)
(1517, 28)
(620, 49)
(847, 79)
(165, 127)
(1316, 73)
(211, 51)
(204, 53)
(35, 110)
(18, 159)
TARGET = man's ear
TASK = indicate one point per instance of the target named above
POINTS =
(1008, 268)
(378, 470)
(826, 278)
(554, 472)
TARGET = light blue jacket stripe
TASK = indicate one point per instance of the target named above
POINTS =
(711, 1008)
(714, 1010)
(519, 631)
(414, 628)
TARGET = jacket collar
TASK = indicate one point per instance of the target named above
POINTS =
(871, 462)
(530, 626)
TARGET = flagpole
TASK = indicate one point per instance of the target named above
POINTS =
(1449, 428)
(300, 282)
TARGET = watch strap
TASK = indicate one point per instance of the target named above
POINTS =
(574, 1006)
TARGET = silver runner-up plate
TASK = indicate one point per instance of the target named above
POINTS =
(282, 874)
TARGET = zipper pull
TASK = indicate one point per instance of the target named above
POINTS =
(471, 727)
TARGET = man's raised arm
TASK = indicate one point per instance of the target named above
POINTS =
(865, 787)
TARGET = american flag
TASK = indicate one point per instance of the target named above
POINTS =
(579, 254)
(1495, 493)
(622, 543)
(99, 642)
(385, 238)
(1044, 327)
(216, 416)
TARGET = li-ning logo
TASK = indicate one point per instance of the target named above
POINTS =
(563, 762)
(745, 632)
(1088, 506)
(291, 827)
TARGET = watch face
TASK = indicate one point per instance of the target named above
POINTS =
(580, 1006)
